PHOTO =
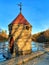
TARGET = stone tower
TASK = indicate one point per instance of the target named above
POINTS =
(20, 35)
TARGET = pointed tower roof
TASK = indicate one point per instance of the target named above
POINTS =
(20, 19)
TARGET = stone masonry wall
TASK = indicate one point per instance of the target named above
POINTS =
(22, 37)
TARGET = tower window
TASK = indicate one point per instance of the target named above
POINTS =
(27, 27)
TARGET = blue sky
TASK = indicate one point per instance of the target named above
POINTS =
(35, 11)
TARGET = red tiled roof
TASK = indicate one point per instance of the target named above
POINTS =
(20, 19)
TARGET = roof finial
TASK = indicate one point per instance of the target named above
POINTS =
(20, 5)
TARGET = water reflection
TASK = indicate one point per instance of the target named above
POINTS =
(35, 47)
(3, 50)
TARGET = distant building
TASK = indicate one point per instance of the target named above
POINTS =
(20, 35)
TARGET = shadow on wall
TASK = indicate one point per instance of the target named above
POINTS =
(13, 47)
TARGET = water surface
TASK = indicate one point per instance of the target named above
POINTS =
(35, 47)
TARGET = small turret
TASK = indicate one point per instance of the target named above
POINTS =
(20, 34)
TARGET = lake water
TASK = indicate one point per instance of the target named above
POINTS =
(2, 51)
(35, 47)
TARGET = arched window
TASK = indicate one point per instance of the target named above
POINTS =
(27, 27)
